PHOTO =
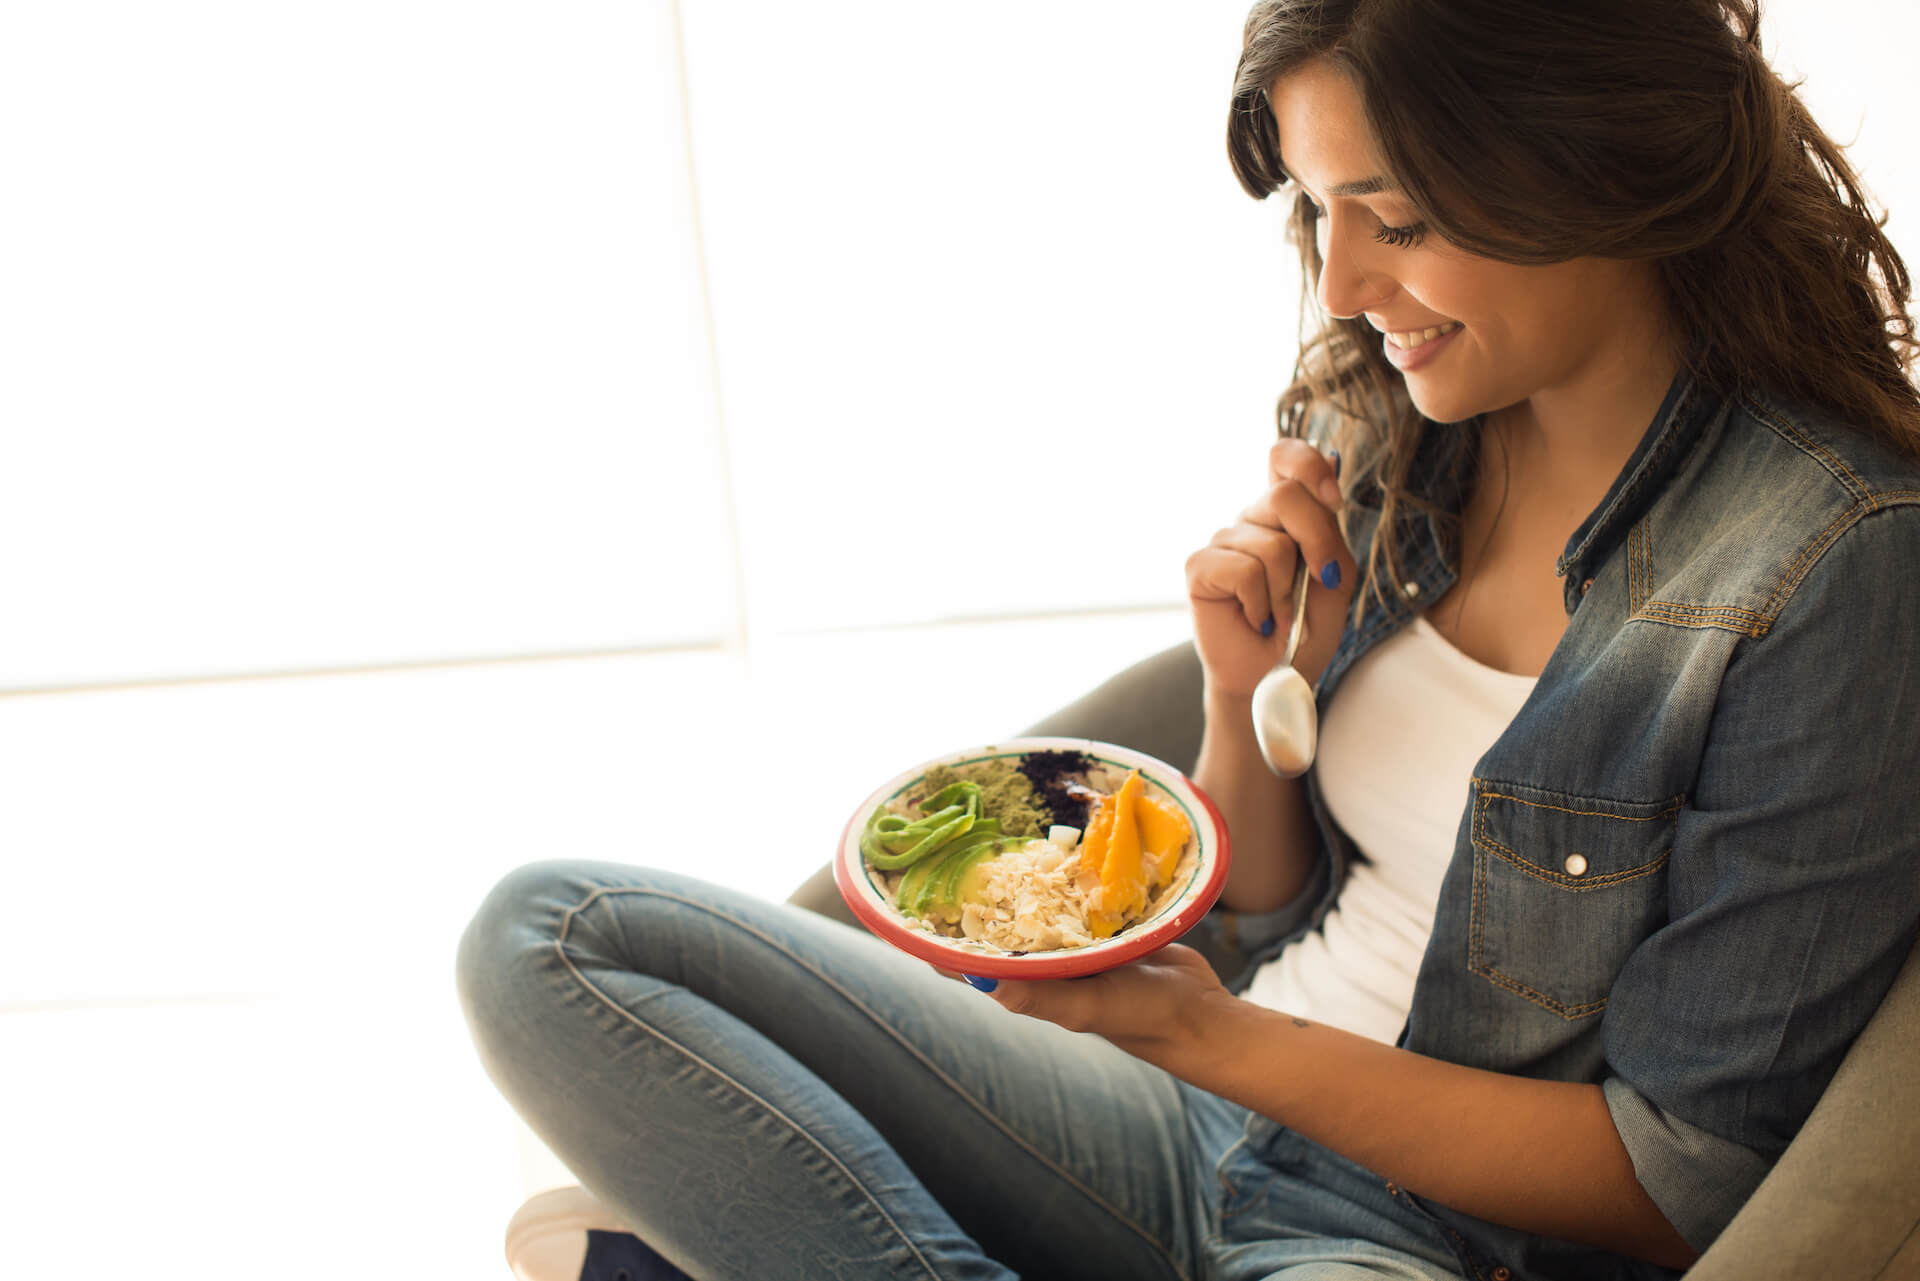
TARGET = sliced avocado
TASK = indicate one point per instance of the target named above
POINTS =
(944, 882)
(919, 887)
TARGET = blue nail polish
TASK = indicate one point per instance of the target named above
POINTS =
(985, 985)
(1334, 454)
(1330, 576)
(1266, 628)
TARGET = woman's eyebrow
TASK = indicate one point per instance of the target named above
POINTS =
(1364, 187)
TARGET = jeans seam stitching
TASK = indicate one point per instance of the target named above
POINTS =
(560, 949)
(881, 1024)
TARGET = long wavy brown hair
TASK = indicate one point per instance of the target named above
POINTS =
(1533, 133)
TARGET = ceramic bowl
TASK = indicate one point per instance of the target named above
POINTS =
(1196, 884)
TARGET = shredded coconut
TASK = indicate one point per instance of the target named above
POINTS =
(1029, 899)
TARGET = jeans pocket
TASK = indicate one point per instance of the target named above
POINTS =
(1247, 1172)
(1564, 888)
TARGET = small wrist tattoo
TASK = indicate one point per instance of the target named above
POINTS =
(1299, 1022)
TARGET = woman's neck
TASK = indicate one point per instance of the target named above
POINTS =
(1565, 444)
(1545, 463)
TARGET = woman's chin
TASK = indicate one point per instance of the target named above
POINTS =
(1443, 408)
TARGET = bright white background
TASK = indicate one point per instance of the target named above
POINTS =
(438, 436)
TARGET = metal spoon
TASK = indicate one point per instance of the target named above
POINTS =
(1285, 721)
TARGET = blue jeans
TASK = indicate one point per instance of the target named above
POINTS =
(760, 1092)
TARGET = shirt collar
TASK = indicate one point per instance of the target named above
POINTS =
(1678, 426)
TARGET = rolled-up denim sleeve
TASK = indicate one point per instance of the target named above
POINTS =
(1699, 1180)
(1793, 885)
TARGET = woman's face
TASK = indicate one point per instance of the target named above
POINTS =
(1469, 334)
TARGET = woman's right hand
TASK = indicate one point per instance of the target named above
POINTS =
(1243, 577)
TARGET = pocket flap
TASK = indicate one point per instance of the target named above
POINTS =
(1575, 842)
(1564, 888)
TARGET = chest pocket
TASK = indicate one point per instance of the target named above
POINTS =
(1564, 888)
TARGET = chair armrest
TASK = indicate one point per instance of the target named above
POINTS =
(1843, 1202)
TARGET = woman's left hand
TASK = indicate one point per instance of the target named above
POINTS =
(1150, 1007)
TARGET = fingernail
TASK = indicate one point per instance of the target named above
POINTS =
(985, 985)
(1266, 628)
(1334, 454)
(1330, 576)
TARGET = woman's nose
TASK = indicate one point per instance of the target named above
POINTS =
(1347, 288)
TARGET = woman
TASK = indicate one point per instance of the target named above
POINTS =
(1610, 850)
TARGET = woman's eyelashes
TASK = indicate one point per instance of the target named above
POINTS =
(1401, 237)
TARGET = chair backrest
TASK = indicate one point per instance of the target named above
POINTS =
(1843, 1203)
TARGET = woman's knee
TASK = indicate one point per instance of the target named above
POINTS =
(511, 941)
(510, 954)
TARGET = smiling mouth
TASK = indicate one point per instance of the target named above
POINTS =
(1408, 340)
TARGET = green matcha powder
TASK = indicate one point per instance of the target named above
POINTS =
(1005, 794)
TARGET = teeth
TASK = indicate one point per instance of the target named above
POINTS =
(1412, 338)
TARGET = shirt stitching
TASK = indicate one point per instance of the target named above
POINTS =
(1840, 470)
(1672, 807)
(1698, 616)
(1808, 554)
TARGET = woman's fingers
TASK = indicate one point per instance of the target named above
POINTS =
(1291, 509)
(1253, 563)
(1136, 1006)
(1241, 582)
(1296, 460)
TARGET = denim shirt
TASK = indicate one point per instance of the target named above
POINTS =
(1690, 868)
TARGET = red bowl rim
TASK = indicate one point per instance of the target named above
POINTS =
(883, 920)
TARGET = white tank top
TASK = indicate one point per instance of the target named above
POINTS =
(1397, 751)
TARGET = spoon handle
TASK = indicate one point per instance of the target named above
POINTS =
(1299, 608)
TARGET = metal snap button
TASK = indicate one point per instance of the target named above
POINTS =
(1576, 865)
(1393, 1189)
(1502, 1274)
(1410, 588)
(1584, 586)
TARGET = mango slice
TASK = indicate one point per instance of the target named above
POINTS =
(1139, 842)
(1093, 846)
(1164, 831)
(1122, 887)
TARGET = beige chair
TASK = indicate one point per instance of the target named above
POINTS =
(1841, 1205)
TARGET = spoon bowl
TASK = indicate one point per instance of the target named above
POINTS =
(1286, 722)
